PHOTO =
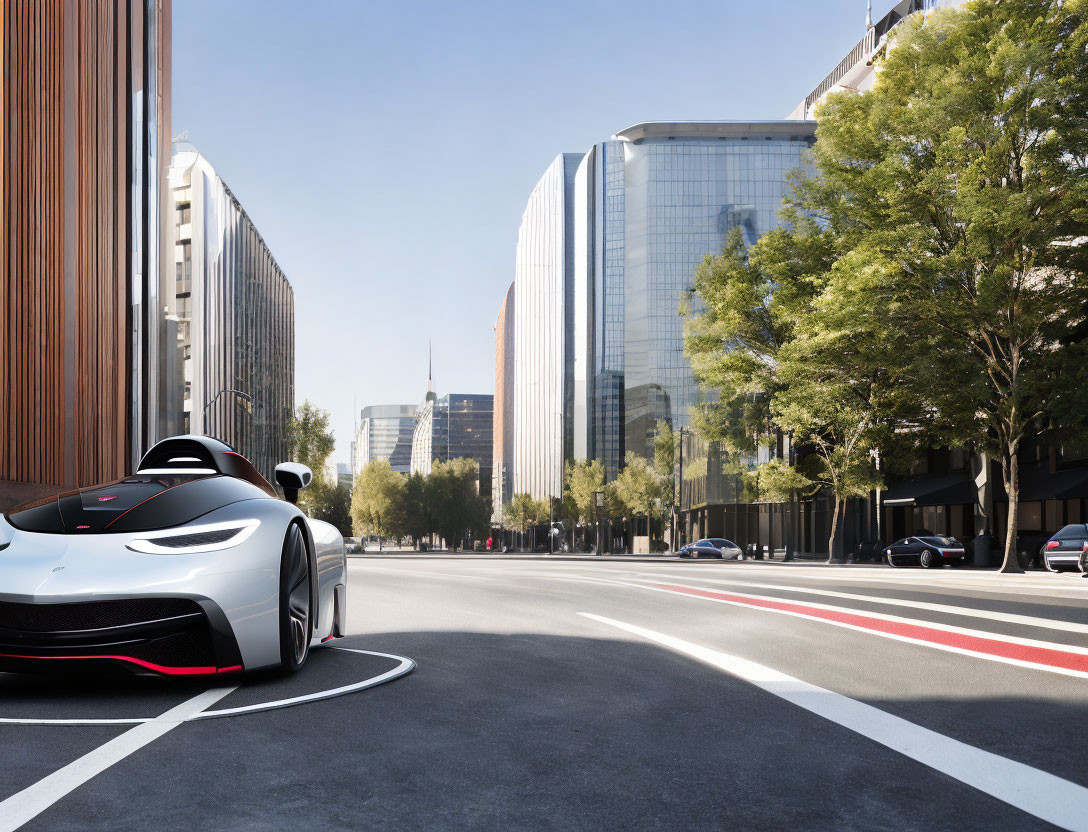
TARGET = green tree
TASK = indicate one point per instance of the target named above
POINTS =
(413, 519)
(745, 307)
(523, 510)
(584, 478)
(639, 488)
(959, 179)
(312, 444)
(377, 505)
(333, 505)
(665, 447)
(454, 505)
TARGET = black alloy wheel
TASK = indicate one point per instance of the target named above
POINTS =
(296, 625)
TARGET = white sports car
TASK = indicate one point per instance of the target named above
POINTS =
(191, 566)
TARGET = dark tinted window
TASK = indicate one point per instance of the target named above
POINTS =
(1071, 532)
(939, 541)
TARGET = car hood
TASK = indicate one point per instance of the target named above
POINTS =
(134, 504)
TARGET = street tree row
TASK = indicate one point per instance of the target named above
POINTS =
(929, 282)
(445, 502)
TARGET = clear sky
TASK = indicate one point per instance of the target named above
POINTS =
(385, 150)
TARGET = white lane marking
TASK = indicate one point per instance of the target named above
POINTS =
(978, 654)
(1036, 792)
(969, 612)
(915, 578)
(33, 800)
(404, 667)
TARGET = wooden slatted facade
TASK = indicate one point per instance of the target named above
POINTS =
(78, 232)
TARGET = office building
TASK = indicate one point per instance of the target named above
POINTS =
(502, 446)
(455, 426)
(85, 143)
(543, 332)
(608, 247)
(236, 314)
(857, 70)
(385, 432)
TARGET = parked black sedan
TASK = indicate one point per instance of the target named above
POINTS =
(927, 552)
(712, 547)
(1064, 552)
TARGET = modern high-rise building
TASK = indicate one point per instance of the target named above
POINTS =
(543, 332)
(85, 143)
(686, 185)
(502, 446)
(385, 432)
(236, 313)
(455, 426)
(608, 247)
(857, 71)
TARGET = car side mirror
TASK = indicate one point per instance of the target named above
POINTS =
(292, 477)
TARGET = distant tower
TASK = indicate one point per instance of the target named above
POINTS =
(868, 15)
(430, 386)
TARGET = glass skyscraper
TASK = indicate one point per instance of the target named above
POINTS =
(608, 246)
(385, 432)
(686, 185)
(454, 426)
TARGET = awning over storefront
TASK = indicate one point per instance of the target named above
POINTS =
(1039, 483)
(951, 489)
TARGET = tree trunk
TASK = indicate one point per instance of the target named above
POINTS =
(1010, 468)
(834, 530)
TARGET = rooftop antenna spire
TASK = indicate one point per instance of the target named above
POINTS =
(430, 388)
(868, 15)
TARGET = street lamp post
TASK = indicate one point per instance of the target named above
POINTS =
(599, 500)
(215, 398)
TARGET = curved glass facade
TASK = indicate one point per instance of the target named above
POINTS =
(543, 332)
(385, 432)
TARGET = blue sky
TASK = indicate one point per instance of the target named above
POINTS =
(385, 150)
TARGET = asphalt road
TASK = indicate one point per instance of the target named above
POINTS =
(593, 695)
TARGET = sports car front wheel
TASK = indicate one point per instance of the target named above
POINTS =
(296, 626)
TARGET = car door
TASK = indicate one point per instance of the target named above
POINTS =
(913, 548)
(898, 549)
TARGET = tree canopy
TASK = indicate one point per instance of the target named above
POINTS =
(957, 190)
(927, 283)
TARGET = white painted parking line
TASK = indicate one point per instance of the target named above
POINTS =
(33, 800)
(970, 612)
(1036, 792)
(404, 666)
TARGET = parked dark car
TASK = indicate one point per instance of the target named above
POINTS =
(712, 547)
(928, 552)
(1064, 552)
(868, 551)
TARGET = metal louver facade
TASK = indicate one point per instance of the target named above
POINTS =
(84, 144)
(236, 319)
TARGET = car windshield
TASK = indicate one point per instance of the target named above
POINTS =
(940, 541)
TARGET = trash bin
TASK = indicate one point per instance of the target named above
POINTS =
(982, 550)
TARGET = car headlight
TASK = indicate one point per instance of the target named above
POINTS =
(210, 537)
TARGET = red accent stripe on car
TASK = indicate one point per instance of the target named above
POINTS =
(917, 632)
(158, 668)
(152, 497)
